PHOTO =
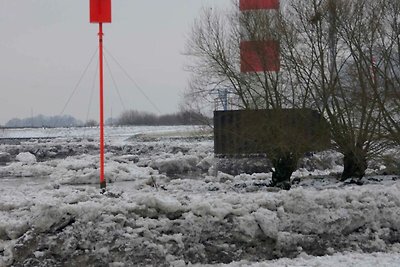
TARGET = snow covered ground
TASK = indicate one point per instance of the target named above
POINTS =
(168, 205)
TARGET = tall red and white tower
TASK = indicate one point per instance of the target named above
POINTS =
(260, 54)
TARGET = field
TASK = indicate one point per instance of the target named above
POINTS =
(168, 203)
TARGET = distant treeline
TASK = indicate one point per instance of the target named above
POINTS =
(44, 121)
(133, 117)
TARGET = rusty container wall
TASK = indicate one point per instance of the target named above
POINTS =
(252, 132)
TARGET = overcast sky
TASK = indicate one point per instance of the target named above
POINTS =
(46, 44)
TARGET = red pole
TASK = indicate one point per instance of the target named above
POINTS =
(102, 180)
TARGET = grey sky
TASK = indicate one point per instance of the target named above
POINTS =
(46, 44)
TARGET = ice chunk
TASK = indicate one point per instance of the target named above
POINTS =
(26, 157)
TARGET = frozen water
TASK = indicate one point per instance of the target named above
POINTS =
(26, 157)
(167, 205)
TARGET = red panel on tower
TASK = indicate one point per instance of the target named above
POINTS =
(100, 11)
(257, 56)
(258, 4)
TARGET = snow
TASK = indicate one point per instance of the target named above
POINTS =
(336, 260)
(167, 204)
(26, 157)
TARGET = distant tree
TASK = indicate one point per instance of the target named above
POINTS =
(133, 117)
(13, 123)
(44, 121)
(91, 123)
(190, 117)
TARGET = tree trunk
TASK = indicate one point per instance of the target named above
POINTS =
(355, 164)
(284, 166)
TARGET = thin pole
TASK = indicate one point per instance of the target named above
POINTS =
(332, 38)
(102, 180)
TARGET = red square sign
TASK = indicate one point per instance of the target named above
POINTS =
(100, 11)
(258, 4)
(258, 56)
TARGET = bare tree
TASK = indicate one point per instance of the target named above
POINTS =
(339, 57)
(334, 56)
(214, 50)
(387, 68)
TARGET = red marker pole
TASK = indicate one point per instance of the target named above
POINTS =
(102, 180)
(100, 12)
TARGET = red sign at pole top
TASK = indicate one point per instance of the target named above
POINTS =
(100, 11)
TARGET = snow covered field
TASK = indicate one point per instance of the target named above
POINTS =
(168, 205)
